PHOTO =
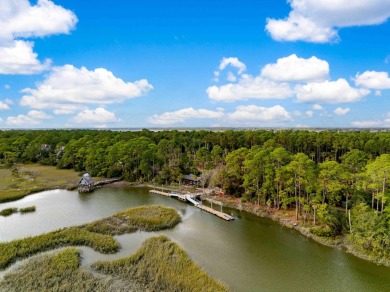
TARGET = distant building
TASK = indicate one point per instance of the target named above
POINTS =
(86, 184)
(191, 179)
(45, 147)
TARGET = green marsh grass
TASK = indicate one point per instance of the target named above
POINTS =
(8, 211)
(161, 265)
(27, 209)
(145, 218)
(58, 272)
(22, 248)
(97, 235)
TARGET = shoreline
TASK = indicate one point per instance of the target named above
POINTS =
(340, 242)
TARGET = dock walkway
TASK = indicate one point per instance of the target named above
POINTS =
(192, 199)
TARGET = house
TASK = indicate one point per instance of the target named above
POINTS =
(191, 179)
(86, 184)
(45, 147)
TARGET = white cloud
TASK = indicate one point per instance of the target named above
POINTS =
(234, 62)
(317, 107)
(295, 69)
(367, 124)
(40, 115)
(4, 106)
(20, 19)
(342, 111)
(331, 92)
(7, 86)
(373, 80)
(231, 77)
(22, 120)
(309, 114)
(253, 113)
(67, 88)
(19, 58)
(99, 115)
(32, 118)
(319, 20)
(249, 87)
(183, 115)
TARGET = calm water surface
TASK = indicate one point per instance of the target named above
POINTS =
(248, 254)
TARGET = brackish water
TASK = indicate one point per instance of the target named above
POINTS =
(248, 254)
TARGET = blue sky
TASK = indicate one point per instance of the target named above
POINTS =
(270, 63)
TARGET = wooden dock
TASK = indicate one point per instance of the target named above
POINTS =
(222, 215)
(160, 193)
(192, 198)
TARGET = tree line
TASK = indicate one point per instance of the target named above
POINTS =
(337, 181)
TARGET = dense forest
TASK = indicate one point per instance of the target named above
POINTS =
(336, 181)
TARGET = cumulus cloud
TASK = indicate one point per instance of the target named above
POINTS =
(4, 106)
(317, 107)
(99, 115)
(19, 58)
(295, 69)
(180, 116)
(32, 118)
(67, 88)
(234, 62)
(253, 113)
(373, 80)
(342, 111)
(309, 114)
(331, 92)
(20, 19)
(249, 87)
(40, 115)
(319, 20)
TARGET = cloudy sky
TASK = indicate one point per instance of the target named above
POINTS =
(194, 63)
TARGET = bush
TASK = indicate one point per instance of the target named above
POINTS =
(8, 211)
(323, 231)
(27, 209)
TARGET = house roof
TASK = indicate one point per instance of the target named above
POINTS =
(191, 177)
(86, 179)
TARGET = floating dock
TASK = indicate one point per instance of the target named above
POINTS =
(192, 199)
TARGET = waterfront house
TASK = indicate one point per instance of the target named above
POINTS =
(191, 179)
(86, 183)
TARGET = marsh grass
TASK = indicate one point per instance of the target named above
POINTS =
(27, 209)
(8, 211)
(161, 265)
(97, 235)
(58, 272)
(25, 179)
(145, 218)
(17, 249)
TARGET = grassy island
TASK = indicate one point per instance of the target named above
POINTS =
(159, 265)
(97, 235)
(8, 211)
